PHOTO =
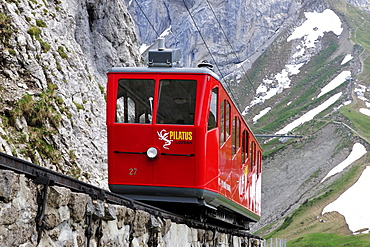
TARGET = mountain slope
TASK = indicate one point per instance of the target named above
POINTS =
(293, 171)
(248, 25)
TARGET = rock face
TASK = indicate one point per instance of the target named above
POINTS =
(235, 31)
(73, 219)
(245, 25)
(362, 4)
(53, 58)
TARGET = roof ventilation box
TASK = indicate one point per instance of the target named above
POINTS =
(164, 57)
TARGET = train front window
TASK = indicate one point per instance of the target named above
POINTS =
(176, 102)
(135, 101)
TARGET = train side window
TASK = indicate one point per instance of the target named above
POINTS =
(233, 132)
(176, 102)
(212, 117)
(134, 101)
(259, 162)
(227, 120)
(222, 123)
(236, 135)
(245, 142)
(253, 155)
(237, 141)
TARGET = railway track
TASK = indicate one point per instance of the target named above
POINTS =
(46, 177)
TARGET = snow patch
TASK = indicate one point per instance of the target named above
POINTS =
(309, 115)
(316, 25)
(357, 152)
(166, 32)
(354, 204)
(365, 111)
(336, 82)
(346, 59)
(261, 114)
(143, 48)
(270, 87)
(359, 91)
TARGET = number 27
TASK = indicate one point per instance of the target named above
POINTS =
(132, 171)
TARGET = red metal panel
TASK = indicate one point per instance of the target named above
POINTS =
(225, 169)
(211, 172)
(125, 167)
(171, 169)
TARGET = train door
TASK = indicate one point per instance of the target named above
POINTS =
(212, 142)
(258, 182)
(252, 177)
(175, 134)
(132, 107)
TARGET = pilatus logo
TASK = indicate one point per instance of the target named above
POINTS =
(163, 136)
(180, 137)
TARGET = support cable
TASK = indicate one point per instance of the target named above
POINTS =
(209, 51)
(146, 17)
(196, 26)
(229, 43)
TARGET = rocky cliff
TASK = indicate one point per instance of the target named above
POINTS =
(74, 219)
(243, 27)
(235, 31)
(54, 56)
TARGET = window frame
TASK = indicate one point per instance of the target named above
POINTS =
(245, 145)
(126, 94)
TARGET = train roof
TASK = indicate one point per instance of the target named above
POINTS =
(166, 61)
(178, 70)
(164, 70)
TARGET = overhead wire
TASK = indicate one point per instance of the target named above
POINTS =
(235, 53)
(205, 43)
(238, 59)
(209, 51)
(146, 17)
(229, 43)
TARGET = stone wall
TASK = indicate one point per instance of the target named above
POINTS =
(62, 50)
(67, 216)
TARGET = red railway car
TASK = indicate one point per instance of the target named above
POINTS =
(175, 136)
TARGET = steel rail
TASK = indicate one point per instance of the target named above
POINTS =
(42, 175)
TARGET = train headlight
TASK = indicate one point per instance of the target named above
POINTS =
(152, 153)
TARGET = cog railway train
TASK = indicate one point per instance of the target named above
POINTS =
(177, 140)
